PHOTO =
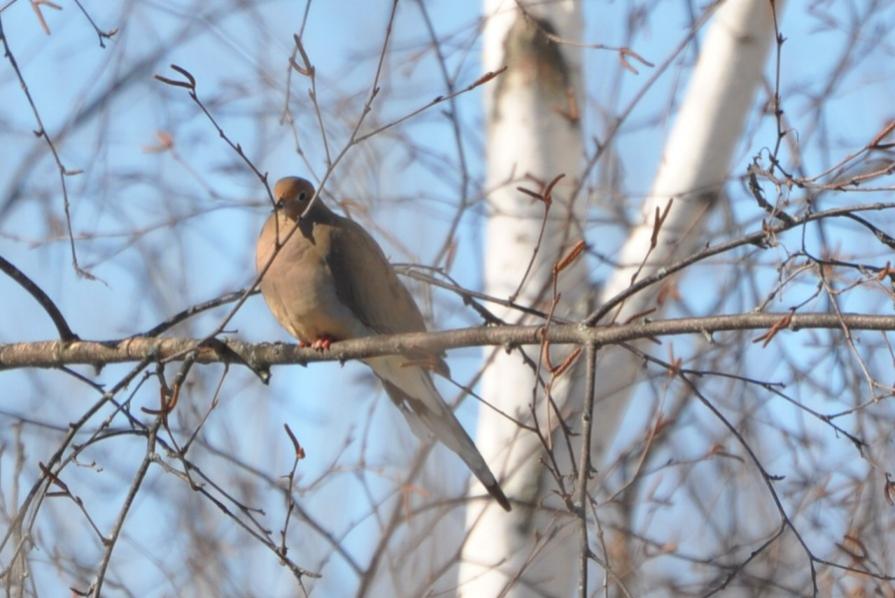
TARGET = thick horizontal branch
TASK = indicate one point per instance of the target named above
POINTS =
(47, 354)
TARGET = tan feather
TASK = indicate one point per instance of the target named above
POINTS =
(330, 279)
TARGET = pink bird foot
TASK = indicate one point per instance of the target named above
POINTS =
(322, 343)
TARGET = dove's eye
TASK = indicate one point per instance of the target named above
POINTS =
(302, 196)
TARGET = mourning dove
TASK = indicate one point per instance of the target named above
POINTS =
(331, 281)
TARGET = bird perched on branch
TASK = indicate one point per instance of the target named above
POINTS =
(330, 281)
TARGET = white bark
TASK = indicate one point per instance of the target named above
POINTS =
(526, 135)
(697, 156)
(695, 164)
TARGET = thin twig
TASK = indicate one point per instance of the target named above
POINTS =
(137, 481)
(65, 333)
(585, 468)
(41, 131)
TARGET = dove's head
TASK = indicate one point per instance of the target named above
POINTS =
(293, 194)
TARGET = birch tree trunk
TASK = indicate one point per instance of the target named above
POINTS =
(527, 551)
(696, 163)
(531, 139)
(697, 157)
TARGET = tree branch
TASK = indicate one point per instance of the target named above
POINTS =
(51, 354)
(65, 333)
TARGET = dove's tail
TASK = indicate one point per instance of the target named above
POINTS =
(412, 390)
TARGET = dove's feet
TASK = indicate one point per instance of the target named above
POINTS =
(322, 343)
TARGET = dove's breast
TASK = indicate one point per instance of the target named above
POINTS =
(299, 287)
